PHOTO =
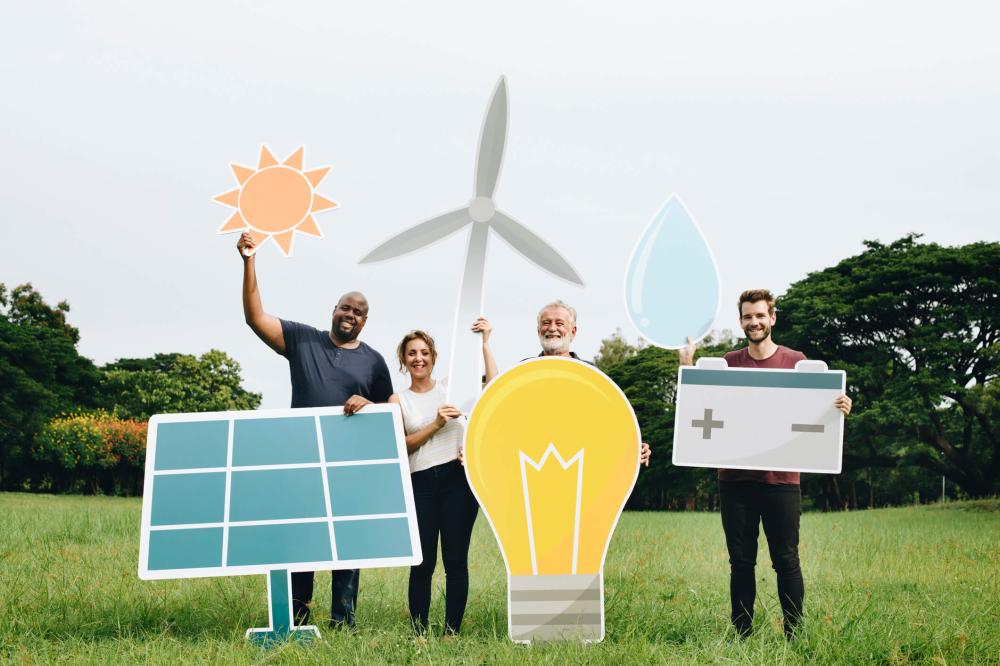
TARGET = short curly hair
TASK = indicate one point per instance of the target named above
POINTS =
(410, 337)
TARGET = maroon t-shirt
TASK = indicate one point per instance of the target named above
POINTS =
(782, 359)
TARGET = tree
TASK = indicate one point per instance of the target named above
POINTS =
(138, 388)
(26, 307)
(615, 349)
(917, 328)
(41, 373)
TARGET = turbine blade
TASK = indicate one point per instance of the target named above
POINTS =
(533, 248)
(491, 142)
(419, 236)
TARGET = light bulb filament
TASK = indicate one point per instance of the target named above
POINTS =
(556, 488)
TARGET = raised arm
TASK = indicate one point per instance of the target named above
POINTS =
(266, 326)
(482, 325)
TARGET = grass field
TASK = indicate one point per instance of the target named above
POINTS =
(909, 585)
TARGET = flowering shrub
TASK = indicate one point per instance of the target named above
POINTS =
(94, 445)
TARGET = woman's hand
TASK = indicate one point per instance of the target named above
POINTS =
(483, 325)
(446, 413)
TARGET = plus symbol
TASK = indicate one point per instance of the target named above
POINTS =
(706, 424)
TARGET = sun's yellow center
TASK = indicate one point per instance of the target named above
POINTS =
(275, 199)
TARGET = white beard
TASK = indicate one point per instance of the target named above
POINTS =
(555, 345)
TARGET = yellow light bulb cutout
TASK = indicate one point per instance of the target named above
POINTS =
(552, 454)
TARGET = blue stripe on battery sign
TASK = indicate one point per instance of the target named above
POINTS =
(762, 379)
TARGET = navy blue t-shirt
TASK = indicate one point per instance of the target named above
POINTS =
(324, 375)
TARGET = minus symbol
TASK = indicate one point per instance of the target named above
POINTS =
(807, 427)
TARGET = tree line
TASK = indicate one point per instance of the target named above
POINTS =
(915, 325)
(67, 424)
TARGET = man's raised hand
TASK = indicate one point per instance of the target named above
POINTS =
(686, 353)
(246, 245)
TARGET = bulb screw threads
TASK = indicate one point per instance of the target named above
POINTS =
(556, 607)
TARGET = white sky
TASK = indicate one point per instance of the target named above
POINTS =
(793, 131)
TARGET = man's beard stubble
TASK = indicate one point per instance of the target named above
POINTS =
(766, 334)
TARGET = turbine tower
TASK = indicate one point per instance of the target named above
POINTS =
(481, 214)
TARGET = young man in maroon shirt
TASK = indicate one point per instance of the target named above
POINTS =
(750, 498)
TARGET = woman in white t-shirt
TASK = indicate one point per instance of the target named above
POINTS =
(444, 502)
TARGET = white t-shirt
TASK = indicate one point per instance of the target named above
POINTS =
(419, 410)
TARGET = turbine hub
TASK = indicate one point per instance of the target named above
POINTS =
(481, 209)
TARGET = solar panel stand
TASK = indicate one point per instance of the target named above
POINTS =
(282, 629)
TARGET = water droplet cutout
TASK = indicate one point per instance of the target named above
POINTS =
(672, 283)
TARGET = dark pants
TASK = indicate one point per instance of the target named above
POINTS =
(345, 596)
(745, 505)
(446, 506)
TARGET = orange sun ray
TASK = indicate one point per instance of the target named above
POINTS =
(266, 158)
(231, 198)
(259, 237)
(284, 241)
(309, 227)
(316, 175)
(234, 223)
(321, 203)
(295, 159)
(242, 173)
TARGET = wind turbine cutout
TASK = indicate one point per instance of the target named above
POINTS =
(466, 363)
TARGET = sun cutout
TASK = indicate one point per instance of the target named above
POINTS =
(275, 200)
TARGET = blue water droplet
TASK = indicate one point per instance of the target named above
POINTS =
(672, 283)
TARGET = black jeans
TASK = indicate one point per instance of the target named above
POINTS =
(446, 506)
(745, 505)
(344, 584)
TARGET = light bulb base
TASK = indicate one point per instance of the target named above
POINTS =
(556, 607)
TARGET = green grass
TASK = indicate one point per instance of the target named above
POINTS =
(908, 585)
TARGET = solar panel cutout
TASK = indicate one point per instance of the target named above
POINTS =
(233, 493)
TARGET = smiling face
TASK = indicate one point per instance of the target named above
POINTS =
(349, 317)
(556, 330)
(419, 358)
(756, 320)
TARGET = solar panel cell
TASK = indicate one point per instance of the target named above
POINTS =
(279, 544)
(362, 539)
(273, 494)
(358, 437)
(184, 499)
(286, 441)
(192, 445)
(360, 490)
(185, 549)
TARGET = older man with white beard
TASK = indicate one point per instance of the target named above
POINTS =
(556, 331)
